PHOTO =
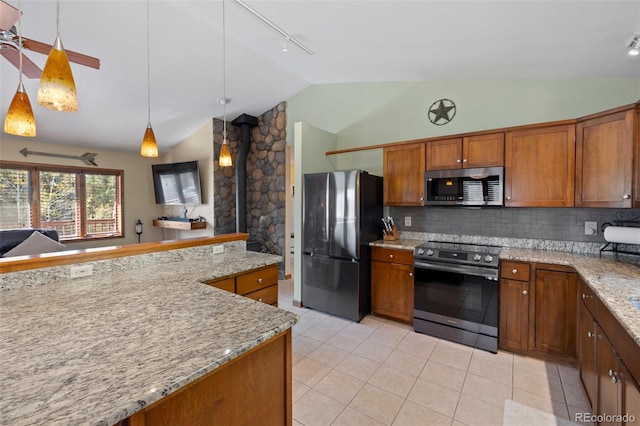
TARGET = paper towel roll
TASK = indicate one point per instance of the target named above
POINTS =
(622, 234)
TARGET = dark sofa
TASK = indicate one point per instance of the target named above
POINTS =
(9, 238)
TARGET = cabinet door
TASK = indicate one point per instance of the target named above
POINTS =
(587, 353)
(604, 160)
(483, 150)
(609, 386)
(404, 175)
(514, 315)
(445, 154)
(636, 177)
(539, 167)
(630, 398)
(555, 312)
(392, 290)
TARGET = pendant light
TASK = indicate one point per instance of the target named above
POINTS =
(149, 147)
(57, 89)
(224, 160)
(20, 120)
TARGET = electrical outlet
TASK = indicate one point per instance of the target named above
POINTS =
(217, 249)
(590, 228)
(407, 221)
(80, 271)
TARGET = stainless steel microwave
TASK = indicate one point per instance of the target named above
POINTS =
(475, 187)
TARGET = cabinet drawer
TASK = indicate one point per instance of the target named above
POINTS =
(587, 296)
(515, 271)
(267, 295)
(256, 280)
(228, 284)
(383, 254)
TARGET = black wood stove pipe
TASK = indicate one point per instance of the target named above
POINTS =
(245, 122)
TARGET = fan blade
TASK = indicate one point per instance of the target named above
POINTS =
(78, 58)
(29, 69)
(8, 16)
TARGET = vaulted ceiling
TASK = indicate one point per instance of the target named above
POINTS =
(353, 41)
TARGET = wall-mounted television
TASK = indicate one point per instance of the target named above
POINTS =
(177, 183)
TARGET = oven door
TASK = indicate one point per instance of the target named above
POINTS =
(460, 296)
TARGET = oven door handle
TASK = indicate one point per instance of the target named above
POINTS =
(488, 273)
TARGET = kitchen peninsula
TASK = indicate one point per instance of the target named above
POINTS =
(143, 340)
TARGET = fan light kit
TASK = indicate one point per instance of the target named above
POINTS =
(149, 147)
(634, 46)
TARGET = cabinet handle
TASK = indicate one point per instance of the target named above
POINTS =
(514, 271)
(589, 334)
(507, 197)
(260, 300)
(525, 292)
(390, 256)
(421, 198)
(626, 196)
(586, 296)
(458, 161)
(614, 376)
(464, 160)
(410, 274)
(611, 372)
(259, 280)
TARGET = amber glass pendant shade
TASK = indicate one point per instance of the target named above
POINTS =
(149, 147)
(225, 155)
(20, 120)
(57, 89)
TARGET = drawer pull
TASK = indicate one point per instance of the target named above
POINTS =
(259, 280)
(410, 274)
(514, 271)
(626, 196)
(587, 296)
(458, 161)
(525, 292)
(589, 334)
(260, 300)
(507, 198)
(390, 256)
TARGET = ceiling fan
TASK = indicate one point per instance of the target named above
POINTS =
(10, 48)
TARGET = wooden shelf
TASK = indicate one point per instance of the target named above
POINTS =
(176, 224)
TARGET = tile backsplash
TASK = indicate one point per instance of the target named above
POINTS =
(563, 224)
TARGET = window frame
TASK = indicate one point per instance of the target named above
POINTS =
(34, 170)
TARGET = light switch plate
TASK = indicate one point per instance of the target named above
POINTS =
(590, 228)
(407, 221)
(217, 249)
(80, 271)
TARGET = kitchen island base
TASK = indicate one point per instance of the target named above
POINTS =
(254, 388)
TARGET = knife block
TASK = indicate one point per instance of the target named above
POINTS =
(394, 235)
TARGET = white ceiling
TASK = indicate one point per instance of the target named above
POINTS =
(353, 41)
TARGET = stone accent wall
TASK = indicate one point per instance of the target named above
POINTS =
(266, 170)
(224, 180)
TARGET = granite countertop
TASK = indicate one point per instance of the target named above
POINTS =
(95, 350)
(614, 282)
(399, 244)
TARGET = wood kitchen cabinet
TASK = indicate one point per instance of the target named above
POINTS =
(404, 167)
(539, 167)
(538, 309)
(392, 284)
(606, 356)
(555, 312)
(604, 159)
(514, 306)
(471, 151)
(259, 284)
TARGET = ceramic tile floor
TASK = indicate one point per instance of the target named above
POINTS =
(379, 372)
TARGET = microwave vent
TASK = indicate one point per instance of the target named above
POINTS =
(472, 191)
(493, 190)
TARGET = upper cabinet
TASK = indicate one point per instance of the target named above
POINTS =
(472, 151)
(404, 175)
(539, 167)
(604, 159)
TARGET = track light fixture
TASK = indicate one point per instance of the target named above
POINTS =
(634, 46)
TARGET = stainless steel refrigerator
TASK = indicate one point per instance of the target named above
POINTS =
(342, 214)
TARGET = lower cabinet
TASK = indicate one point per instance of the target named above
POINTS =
(537, 309)
(610, 387)
(258, 284)
(392, 284)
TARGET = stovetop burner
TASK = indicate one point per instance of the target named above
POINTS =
(462, 253)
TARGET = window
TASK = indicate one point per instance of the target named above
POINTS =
(79, 203)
